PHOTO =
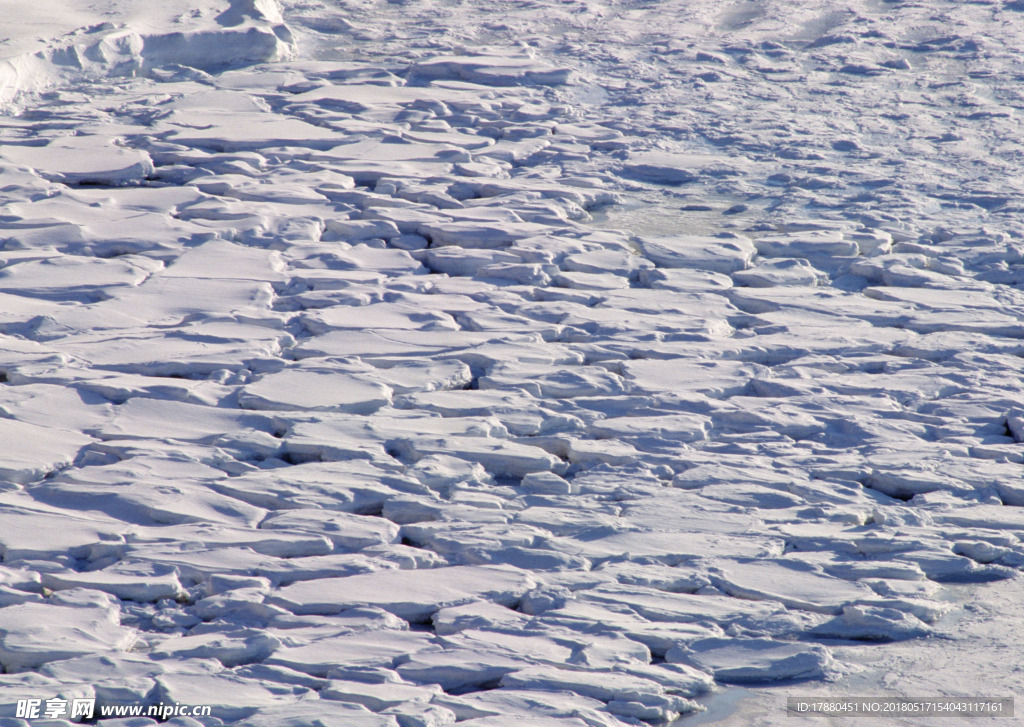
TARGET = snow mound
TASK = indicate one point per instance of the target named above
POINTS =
(136, 38)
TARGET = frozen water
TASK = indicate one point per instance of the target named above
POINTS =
(555, 363)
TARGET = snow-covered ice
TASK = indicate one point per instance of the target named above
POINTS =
(556, 363)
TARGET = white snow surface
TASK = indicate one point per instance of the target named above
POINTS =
(565, 364)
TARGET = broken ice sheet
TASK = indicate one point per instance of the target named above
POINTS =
(782, 407)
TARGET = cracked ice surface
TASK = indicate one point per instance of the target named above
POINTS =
(412, 364)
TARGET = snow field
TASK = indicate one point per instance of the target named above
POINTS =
(348, 387)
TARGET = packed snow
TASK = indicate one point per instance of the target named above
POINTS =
(565, 364)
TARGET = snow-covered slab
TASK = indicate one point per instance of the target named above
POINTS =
(34, 634)
(657, 636)
(604, 686)
(664, 606)
(560, 382)
(456, 669)
(275, 543)
(478, 614)
(363, 97)
(752, 661)
(230, 648)
(992, 323)
(793, 583)
(47, 533)
(103, 668)
(361, 257)
(667, 547)
(785, 271)
(122, 585)
(533, 704)
(479, 234)
(141, 496)
(535, 721)
(492, 69)
(680, 168)
(372, 171)
(724, 472)
(61, 278)
(243, 33)
(465, 402)
(83, 160)
(500, 457)
(335, 440)
(412, 595)
(223, 260)
(378, 697)
(718, 379)
(753, 496)
(806, 244)
(61, 211)
(119, 388)
(379, 317)
(159, 354)
(321, 563)
(27, 29)
(370, 345)
(621, 262)
(400, 149)
(311, 711)
(930, 298)
(349, 485)
(232, 131)
(315, 391)
(232, 697)
(709, 254)
(873, 623)
(671, 427)
(458, 260)
(590, 281)
(197, 564)
(30, 685)
(820, 300)
(537, 648)
(993, 517)
(345, 530)
(159, 419)
(29, 452)
(424, 376)
(378, 648)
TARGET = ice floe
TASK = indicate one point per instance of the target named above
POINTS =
(414, 364)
